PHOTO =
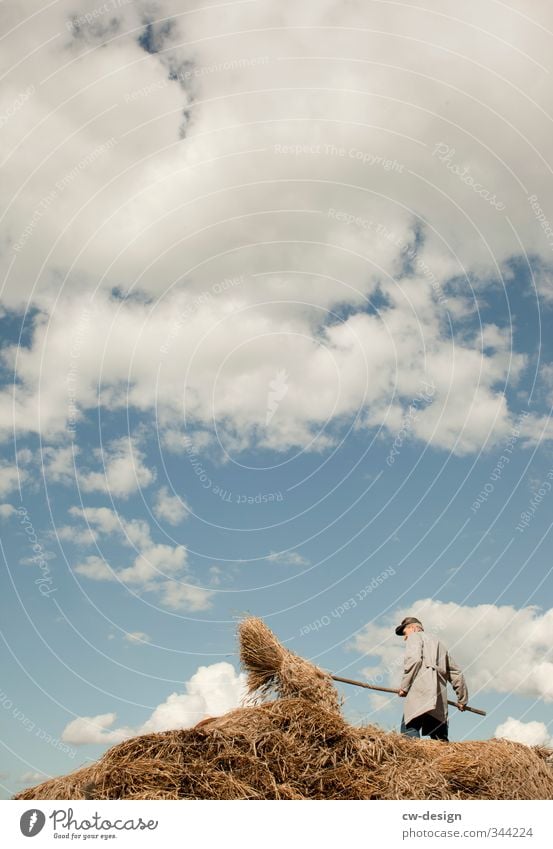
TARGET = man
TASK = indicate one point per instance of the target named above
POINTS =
(428, 667)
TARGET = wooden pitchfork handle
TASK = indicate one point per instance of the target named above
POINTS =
(388, 690)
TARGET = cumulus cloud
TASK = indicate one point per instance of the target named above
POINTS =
(10, 478)
(103, 521)
(171, 508)
(211, 691)
(530, 733)
(32, 777)
(157, 567)
(215, 575)
(335, 373)
(7, 511)
(133, 84)
(546, 378)
(58, 463)
(184, 596)
(137, 637)
(162, 135)
(74, 535)
(124, 470)
(291, 558)
(94, 729)
(24, 456)
(500, 648)
(95, 568)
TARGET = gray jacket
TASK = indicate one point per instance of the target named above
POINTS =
(428, 667)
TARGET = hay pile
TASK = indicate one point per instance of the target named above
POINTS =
(300, 747)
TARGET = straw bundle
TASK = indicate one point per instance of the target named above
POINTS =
(300, 747)
(273, 669)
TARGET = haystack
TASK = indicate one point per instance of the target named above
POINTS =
(299, 746)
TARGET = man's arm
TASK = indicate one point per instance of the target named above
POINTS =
(456, 677)
(412, 661)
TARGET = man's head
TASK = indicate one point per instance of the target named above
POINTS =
(409, 626)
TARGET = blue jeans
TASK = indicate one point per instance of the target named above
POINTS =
(427, 725)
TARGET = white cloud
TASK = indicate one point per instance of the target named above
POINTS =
(536, 429)
(180, 596)
(10, 477)
(137, 637)
(157, 567)
(76, 536)
(170, 507)
(160, 559)
(95, 568)
(546, 375)
(215, 576)
(292, 558)
(103, 521)
(124, 471)
(94, 729)
(334, 372)
(144, 216)
(211, 691)
(7, 511)
(438, 82)
(530, 733)
(24, 457)
(177, 442)
(59, 463)
(32, 777)
(501, 649)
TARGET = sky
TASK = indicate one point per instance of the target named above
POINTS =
(275, 311)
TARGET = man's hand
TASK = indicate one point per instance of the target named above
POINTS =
(402, 694)
(461, 706)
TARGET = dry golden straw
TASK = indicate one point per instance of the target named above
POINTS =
(300, 747)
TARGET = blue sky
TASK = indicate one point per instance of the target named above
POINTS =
(250, 368)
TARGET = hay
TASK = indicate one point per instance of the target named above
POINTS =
(274, 669)
(300, 747)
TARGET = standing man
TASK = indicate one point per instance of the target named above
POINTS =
(428, 667)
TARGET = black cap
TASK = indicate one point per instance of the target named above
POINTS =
(409, 620)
